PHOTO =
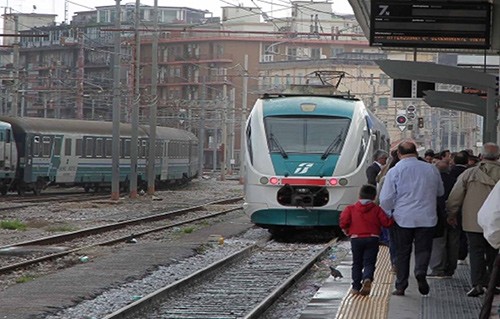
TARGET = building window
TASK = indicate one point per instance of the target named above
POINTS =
(383, 102)
(384, 79)
(315, 53)
(291, 54)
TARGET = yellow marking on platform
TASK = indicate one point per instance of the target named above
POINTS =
(376, 305)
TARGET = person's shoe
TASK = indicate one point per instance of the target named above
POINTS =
(398, 292)
(423, 286)
(394, 270)
(354, 292)
(438, 275)
(366, 288)
(476, 291)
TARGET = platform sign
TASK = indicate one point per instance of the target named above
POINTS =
(430, 24)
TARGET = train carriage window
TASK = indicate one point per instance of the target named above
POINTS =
(79, 147)
(46, 146)
(108, 147)
(126, 151)
(1, 136)
(144, 148)
(36, 146)
(89, 147)
(7, 136)
(67, 147)
(57, 146)
(99, 145)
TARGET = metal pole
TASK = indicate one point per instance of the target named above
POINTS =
(93, 108)
(449, 129)
(243, 119)
(201, 145)
(489, 121)
(79, 78)
(231, 134)
(15, 60)
(153, 107)
(115, 179)
(224, 133)
(135, 107)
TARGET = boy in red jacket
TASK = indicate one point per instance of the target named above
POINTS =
(362, 222)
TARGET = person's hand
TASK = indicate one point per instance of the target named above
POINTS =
(452, 221)
(346, 231)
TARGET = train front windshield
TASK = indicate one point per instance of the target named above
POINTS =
(287, 135)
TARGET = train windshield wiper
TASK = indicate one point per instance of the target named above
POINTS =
(333, 145)
(274, 140)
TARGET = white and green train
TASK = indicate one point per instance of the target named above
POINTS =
(306, 157)
(37, 152)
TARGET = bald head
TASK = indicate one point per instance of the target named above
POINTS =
(407, 148)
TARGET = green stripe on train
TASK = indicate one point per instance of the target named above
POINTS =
(296, 217)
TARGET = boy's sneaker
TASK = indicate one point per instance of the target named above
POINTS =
(366, 288)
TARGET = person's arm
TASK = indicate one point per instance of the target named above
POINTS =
(345, 219)
(388, 193)
(456, 199)
(371, 175)
(385, 220)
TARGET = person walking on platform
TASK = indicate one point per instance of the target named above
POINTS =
(452, 245)
(380, 159)
(469, 193)
(410, 194)
(362, 221)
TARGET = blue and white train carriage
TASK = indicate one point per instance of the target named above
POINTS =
(306, 157)
(41, 152)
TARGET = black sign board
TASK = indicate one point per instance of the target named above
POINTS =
(429, 24)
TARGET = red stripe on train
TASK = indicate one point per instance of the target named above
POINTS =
(303, 181)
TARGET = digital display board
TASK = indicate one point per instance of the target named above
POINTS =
(428, 24)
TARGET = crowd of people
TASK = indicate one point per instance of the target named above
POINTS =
(430, 203)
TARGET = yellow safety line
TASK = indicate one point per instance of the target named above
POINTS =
(376, 305)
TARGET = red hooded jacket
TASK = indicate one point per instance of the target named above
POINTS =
(364, 220)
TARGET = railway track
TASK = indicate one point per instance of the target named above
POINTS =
(243, 285)
(21, 255)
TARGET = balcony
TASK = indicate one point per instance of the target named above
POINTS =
(198, 58)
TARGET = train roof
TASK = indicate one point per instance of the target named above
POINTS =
(68, 126)
(45, 125)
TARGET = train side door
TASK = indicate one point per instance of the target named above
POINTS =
(69, 161)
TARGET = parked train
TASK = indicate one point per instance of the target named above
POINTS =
(37, 152)
(306, 157)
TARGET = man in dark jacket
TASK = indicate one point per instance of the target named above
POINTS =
(380, 158)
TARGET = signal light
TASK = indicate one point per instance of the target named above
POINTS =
(401, 119)
(333, 181)
(420, 122)
(273, 180)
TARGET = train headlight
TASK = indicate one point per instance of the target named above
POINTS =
(333, 181)
(343, 181)
(308, 107)
(273, 180)
(264, 180)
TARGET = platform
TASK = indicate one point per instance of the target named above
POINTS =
(447, 297)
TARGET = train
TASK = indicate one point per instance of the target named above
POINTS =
(39, 152)
(306, 157)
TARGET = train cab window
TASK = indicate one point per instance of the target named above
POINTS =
(363, 145)
(67, 147)
(36, 146)
(108, 147)
(1, 136)
(89, 147)
(46, 146)
(79, 147)
(99, 145)
(249, 140)
(7, 136)
(57, 146)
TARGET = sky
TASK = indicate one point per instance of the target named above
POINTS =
(57, 6)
